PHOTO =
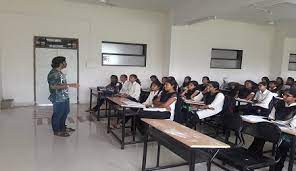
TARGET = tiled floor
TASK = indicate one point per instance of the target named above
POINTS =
(27, 144)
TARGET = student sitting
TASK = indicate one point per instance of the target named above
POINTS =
(261, 101)
(125, 84)
(112, 88)
(284, 111)
(248, 91)
(290, 82)
(134, 90)
(205, 81)
(266, 80)
(153, 78)
(155, 91)
(273, 88)
(213, 104)
(163, 80)
(185, 84)
(166, 100)
(280, 85)
(191, 91)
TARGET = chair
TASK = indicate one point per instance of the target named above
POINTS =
(246, 159)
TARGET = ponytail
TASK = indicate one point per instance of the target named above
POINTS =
(136, 77)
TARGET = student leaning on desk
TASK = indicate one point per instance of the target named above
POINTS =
(285, 112)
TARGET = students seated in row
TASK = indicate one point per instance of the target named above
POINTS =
(213, 104)
(191, 91)
(284, 111)
(261, 101)
(155, 91)
(248, 91)
(205, 81)
(166, 100)
(125, 84)
(113, 88)
(185, 84)
(134, 90)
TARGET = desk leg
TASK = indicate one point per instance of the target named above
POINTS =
(90, 99)
(292, 153)
(158, 154)
(123, 129)
(108, 116)
(145, 151)
(192, 161)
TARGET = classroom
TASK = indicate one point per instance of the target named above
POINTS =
(130, 85)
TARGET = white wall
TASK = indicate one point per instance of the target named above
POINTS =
(289, 47)
(21, 20)
(191, 49)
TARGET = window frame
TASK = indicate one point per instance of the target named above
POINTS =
(289, 62)
(239, 58)
(144, 53)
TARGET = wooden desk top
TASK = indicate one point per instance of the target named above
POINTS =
(124, 102)
(192, 102)
(255, 119)
(187, 136)
(243, 100)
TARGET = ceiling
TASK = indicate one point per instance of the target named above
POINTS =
(184, 12)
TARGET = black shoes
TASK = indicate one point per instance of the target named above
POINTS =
(61, 134)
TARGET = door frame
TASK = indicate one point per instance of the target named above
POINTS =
(34, 61)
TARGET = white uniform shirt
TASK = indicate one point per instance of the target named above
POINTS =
(125, 87)
(135, 90)
(217, 104)
(149, 100)
(263, 99)
(292, 121)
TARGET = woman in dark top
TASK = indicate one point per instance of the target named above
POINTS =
(163, 105)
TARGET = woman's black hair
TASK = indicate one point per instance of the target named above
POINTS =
(124, 75)
(136, 77)
(195, 83)
(115, 77)
(265, 79)
(263, 83)
(173, 82)
(215, 84)
(206, 77)
(281, 79)
(157, 83)
(186, 84)
(291, 79)
(154, 77)
(56, 61)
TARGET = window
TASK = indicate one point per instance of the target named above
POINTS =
(226, 59)
(292, 62)
(123, 54)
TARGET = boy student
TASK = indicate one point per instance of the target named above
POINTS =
(213, 104)
(284, 111)
(261, 101)
(59, 96)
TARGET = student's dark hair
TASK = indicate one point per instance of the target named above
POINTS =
(157, 83)
(291, 91)
(56, 61)
(173, 82)
(136, 77)
(195, 83)
(124, 75)
(215, 84)
(273, 82)
(115, 77)
(262, 83)
(206, 77)
(266, 79)
(186, 84)
(153, 76)
(281, 79)
(290, 79)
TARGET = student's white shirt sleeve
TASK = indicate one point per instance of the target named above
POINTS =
(218, 102)
(272, 114)
(149, 100)
(293, 122)
(198, 98)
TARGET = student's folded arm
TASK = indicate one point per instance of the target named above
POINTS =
(167, 103)
(251, 96)
(219, 99)
(194, 94)
(59, 86)
(293, 122)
